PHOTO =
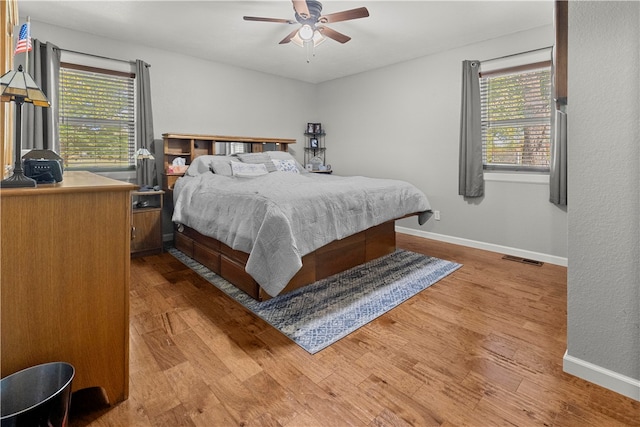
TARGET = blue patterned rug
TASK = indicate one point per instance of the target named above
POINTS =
(320, 314)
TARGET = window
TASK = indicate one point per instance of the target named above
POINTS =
(516, 111)
(97, 118)
(237, 147)
(230, 148)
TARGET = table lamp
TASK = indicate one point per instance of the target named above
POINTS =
(19, 87)
(142, 155)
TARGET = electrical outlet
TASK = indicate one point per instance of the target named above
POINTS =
(436, 215)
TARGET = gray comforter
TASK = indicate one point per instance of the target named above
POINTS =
(279, 217)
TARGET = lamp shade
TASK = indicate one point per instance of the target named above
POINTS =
(15, 85)
(143, 153)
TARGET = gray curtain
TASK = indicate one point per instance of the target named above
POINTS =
(558, 165)
(145, 169)
(40, 125)
(470, 174)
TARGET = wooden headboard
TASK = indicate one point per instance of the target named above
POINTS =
(190, 146)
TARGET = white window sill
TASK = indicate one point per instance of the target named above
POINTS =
(526, 178)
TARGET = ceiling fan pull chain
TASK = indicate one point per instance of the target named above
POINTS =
(308, 46)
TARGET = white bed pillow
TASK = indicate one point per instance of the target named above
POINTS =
(286, 165)
(248, 170)
(284, 155)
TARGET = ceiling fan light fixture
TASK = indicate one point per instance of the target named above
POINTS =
(316, 40)
(308, 13)
(306, 32)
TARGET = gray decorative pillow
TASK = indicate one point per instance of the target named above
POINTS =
(222, 165)
(199, 165)
(255, 158)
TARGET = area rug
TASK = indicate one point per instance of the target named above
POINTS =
(320, 314)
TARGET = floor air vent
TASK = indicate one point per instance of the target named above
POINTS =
(523, 260)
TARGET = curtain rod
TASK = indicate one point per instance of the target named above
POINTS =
(100, 56)
(516, 54)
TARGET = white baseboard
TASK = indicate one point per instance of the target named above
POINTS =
(604, 377)
(551, 259)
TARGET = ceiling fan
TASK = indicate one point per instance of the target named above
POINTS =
(312, 30)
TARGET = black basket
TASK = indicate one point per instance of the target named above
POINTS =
(37, 396)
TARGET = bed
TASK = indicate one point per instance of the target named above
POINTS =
(268, 226)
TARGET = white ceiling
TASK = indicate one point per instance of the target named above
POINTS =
(395, 31)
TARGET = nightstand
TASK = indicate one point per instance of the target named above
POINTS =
(169, 180)
(146, 222)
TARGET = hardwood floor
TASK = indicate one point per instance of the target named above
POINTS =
(482, 347)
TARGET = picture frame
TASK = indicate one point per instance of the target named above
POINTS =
(313, 142)
(317, 128)
(311, 127)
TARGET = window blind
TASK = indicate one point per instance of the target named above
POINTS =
(237, 147)
(515, 118)
(97, 119)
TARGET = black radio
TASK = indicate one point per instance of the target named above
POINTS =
(44, 166)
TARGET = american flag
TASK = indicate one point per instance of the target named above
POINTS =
(24, 40)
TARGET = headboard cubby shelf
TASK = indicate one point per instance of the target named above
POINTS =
(190, 146)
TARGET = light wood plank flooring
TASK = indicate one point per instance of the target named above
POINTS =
(482, 347)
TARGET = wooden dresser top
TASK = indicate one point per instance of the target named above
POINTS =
(72, 181)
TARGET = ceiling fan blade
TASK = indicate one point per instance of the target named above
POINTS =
(333, 34)
(346, 15)
(301, 8)
(277, 20)
(289, 37)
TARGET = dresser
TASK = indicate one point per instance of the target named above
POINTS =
(65, 279)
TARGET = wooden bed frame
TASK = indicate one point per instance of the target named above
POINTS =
(330, 259)
(335, 257)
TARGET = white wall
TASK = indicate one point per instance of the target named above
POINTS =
(402, 121)
(603, 321)
(191, 95)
